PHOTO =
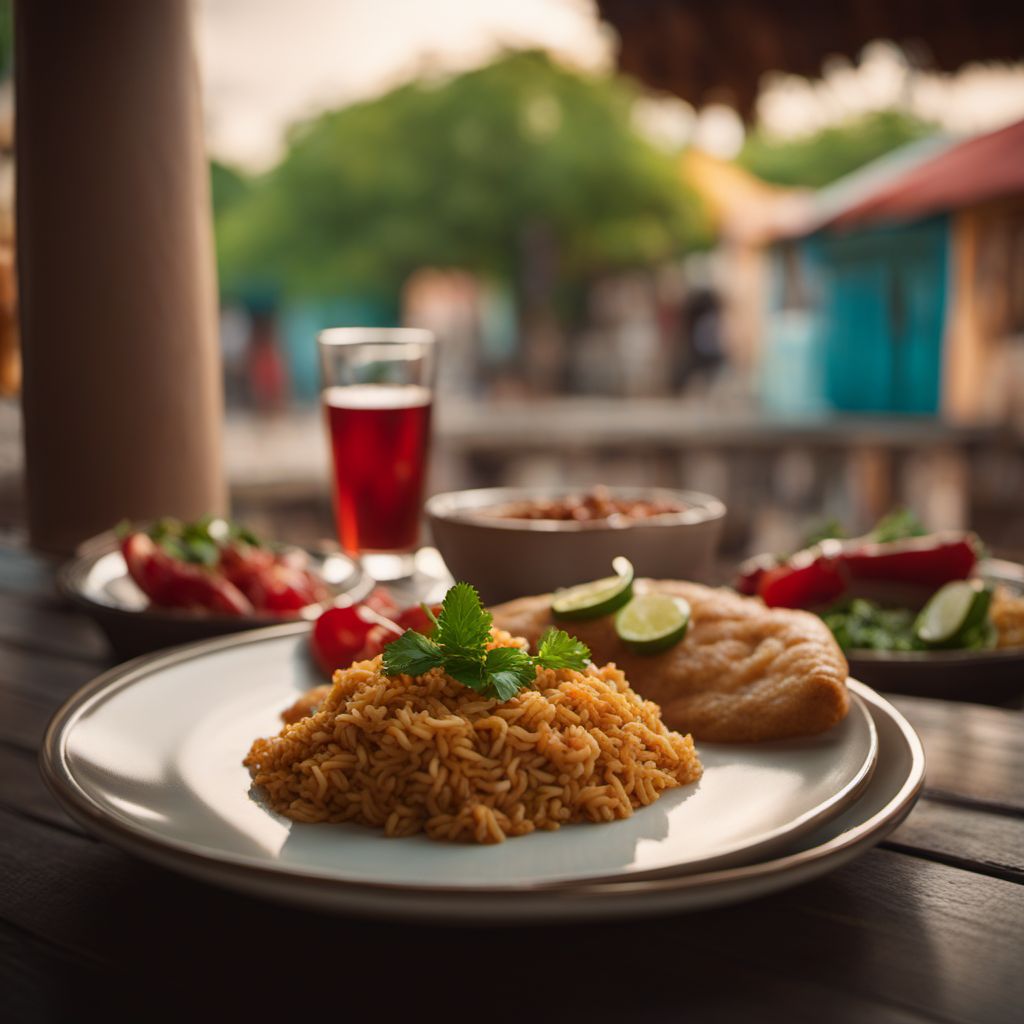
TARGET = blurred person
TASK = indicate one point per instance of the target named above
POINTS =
(704, 352)
(234, 349)
(269, 385)
(448, 302)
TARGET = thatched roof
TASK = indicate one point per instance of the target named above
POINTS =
(717, 50)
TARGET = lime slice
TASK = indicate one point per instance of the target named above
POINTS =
(653, 622)
(952, 611)
(601, 597)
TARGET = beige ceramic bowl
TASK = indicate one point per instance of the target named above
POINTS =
(507, 558)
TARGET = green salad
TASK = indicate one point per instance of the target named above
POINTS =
(955, 618)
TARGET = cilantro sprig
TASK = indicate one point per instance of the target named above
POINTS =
(458, 644)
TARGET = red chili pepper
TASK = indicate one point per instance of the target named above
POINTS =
(821, 574)
(276, 582)
(752, 571)
(932, 560)
(818, 582)
(172, 583)
(282, 590)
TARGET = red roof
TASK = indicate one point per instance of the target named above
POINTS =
(985, 167)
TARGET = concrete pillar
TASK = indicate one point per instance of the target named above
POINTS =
(122, 384)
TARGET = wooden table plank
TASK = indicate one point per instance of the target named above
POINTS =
(26, 573)
(42, 983)
(24, 794)
(50, 629)
(899, 929)
(47, 984)
(927, 928)
(44, 676)
(973, 753)
(964, 837)
(23, 720)
(888, 931)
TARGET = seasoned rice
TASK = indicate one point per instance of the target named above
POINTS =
(427, 754)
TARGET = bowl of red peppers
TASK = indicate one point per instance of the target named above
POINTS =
(156, 584)
(915, 611)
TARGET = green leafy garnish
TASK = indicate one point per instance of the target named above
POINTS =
(463, 625)
(863, 625)
(829, 529)
(414, 652)
(899, 524)
(458, 644)
(557, 649)
(199, 542)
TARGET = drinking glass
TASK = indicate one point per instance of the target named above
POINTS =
(378, 389)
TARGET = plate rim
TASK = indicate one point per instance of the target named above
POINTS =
(185, 858)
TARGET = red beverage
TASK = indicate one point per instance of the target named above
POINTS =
(379, 436)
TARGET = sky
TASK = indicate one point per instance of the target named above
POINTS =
(266, 64)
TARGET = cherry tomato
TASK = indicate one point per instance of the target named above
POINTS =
(339, 637)
(416, 618)
(377, 639)
(381, 601)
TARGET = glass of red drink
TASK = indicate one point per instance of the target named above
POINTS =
(378, 389)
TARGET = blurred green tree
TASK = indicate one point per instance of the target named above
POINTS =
(227, 186)
(6, 38)
(819, 159)
(466, 172)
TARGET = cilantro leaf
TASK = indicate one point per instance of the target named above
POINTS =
(459, 644)
(469, 671)
(412, 654)
(464, 624)
(556, 649)
(504, 686)
(510, 667)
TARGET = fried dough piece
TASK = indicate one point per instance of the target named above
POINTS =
(742, 673)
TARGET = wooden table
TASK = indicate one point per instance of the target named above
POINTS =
(928, 926)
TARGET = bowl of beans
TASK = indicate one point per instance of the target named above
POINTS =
(512, 541)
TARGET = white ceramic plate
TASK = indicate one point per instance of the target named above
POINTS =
(149, 757)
